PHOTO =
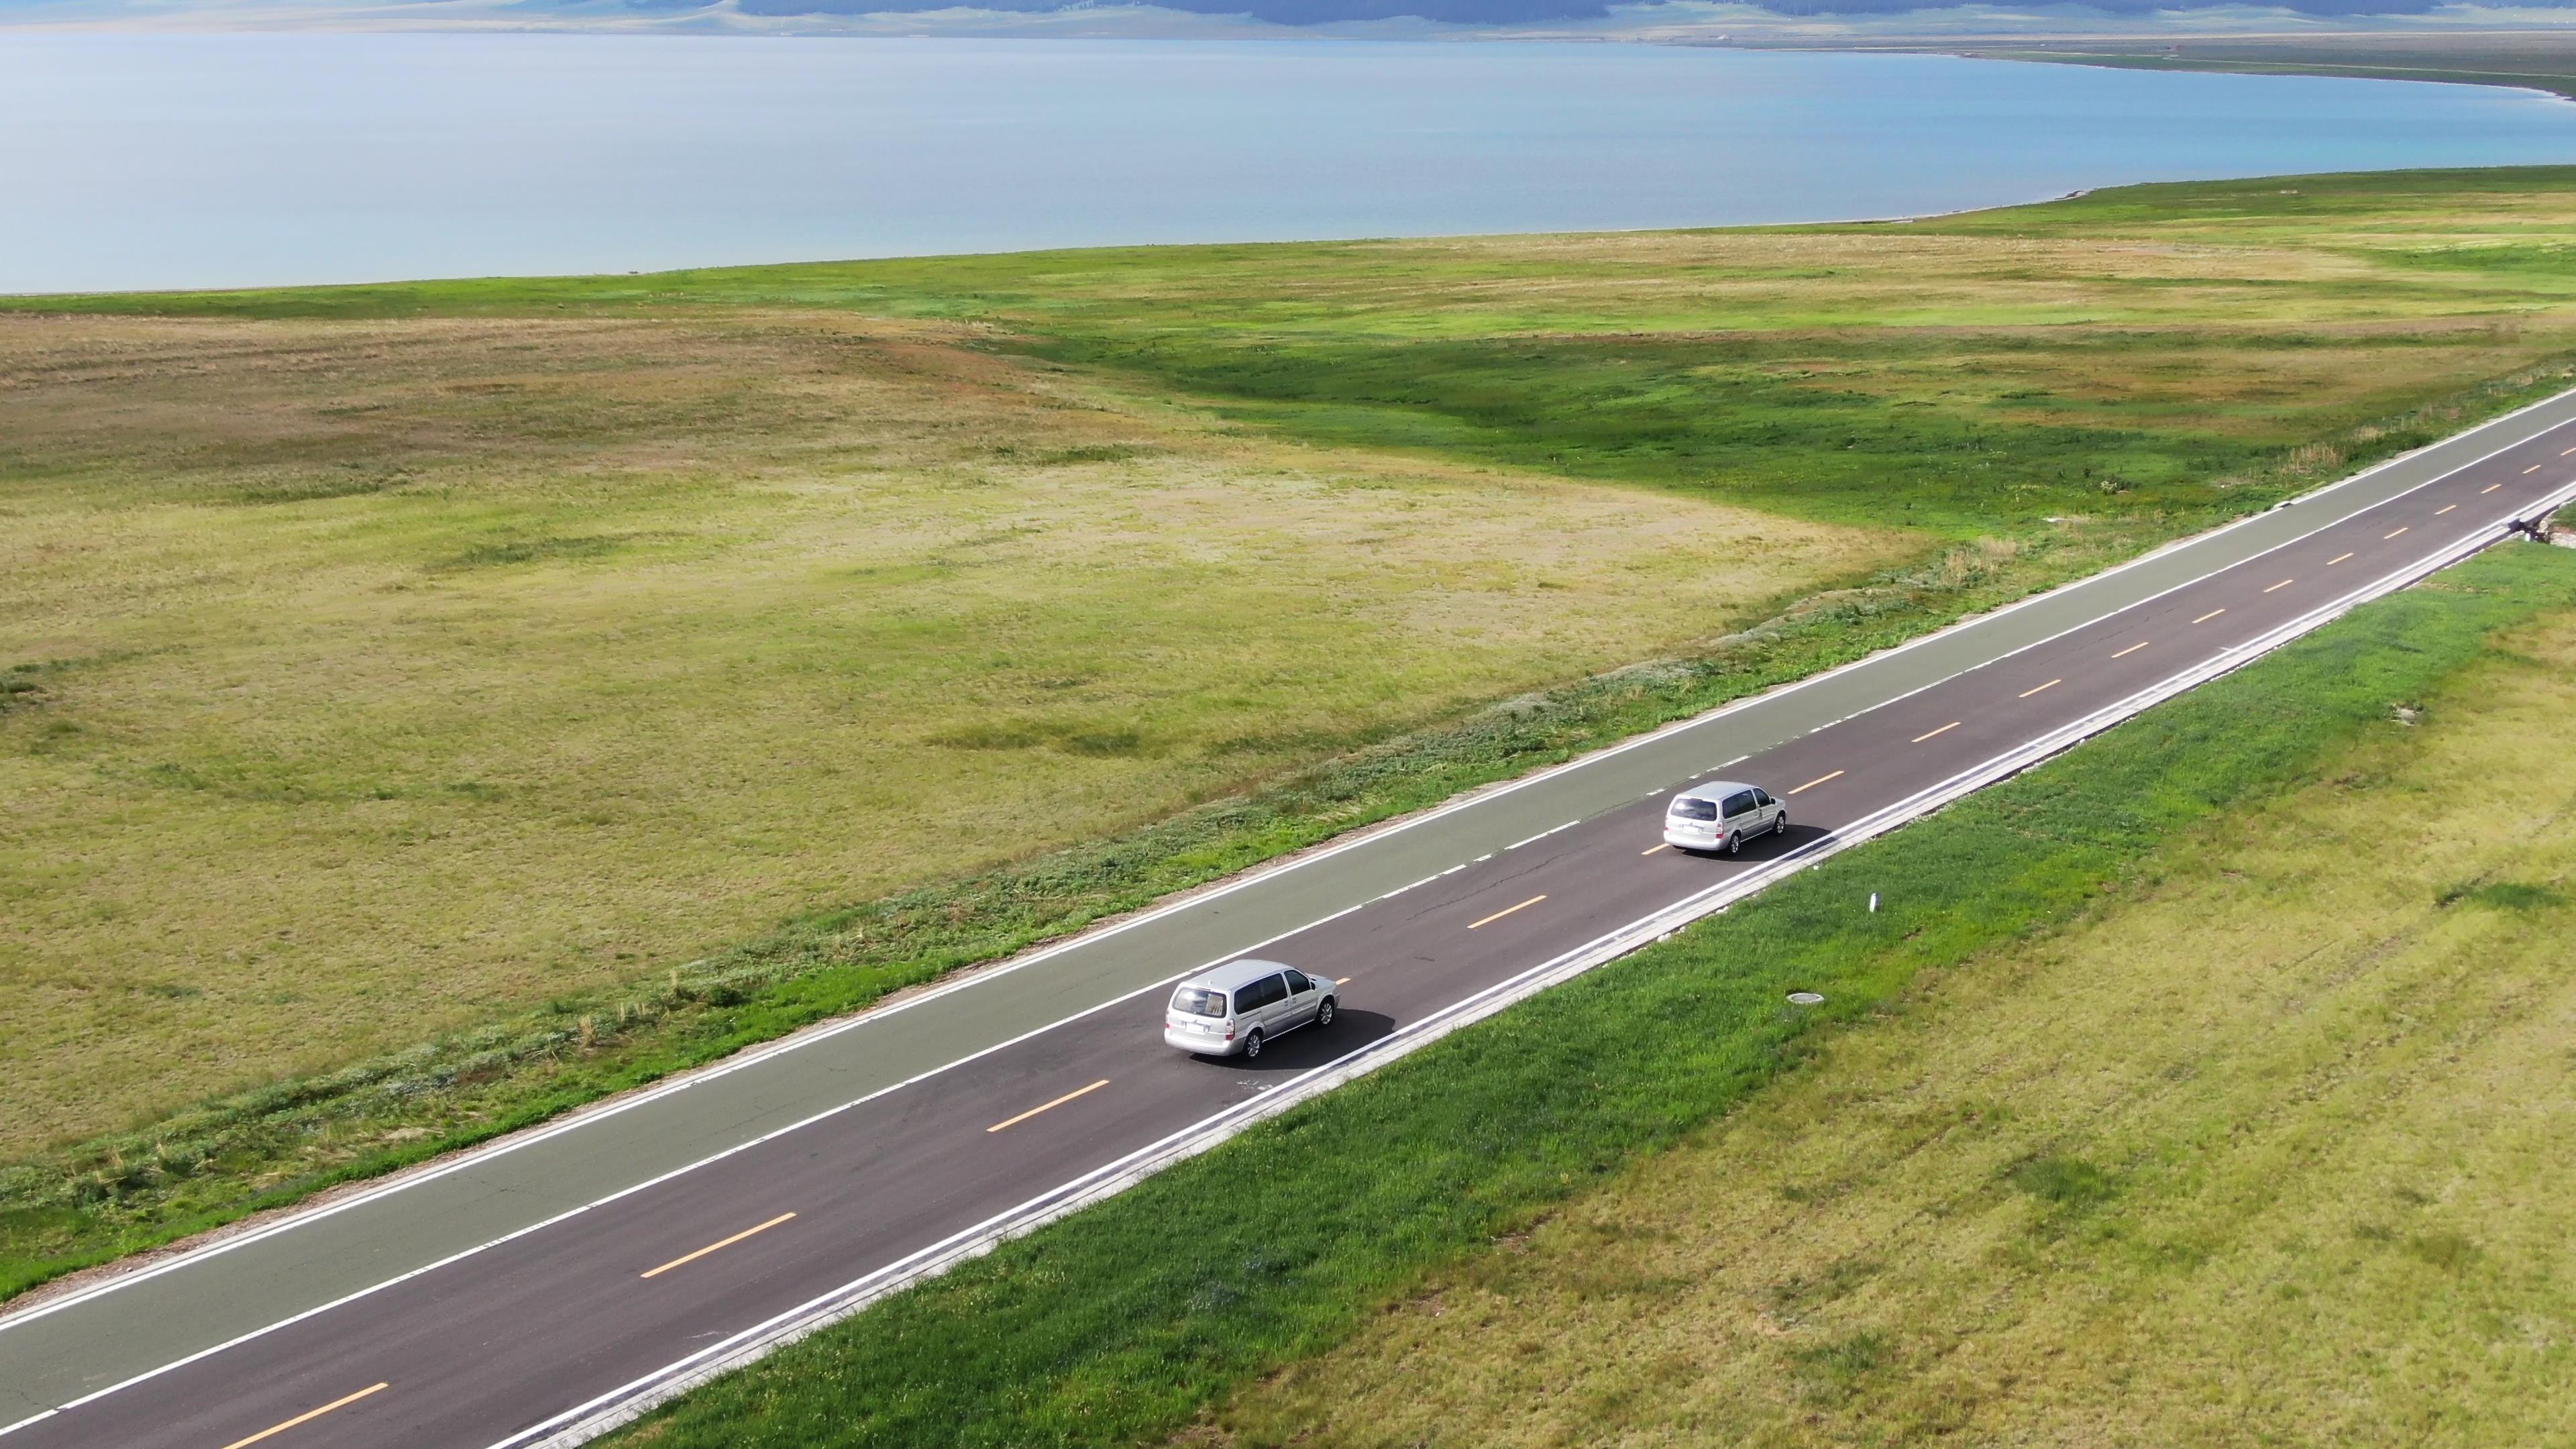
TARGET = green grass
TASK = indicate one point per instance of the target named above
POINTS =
(1130, 1321)
(431, 705)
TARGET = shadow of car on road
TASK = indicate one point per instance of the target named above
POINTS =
(1767, 846)
(1310, 1047)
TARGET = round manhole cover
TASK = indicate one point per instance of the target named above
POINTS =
(1805, 998)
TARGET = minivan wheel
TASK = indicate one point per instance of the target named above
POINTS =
(1252, 1045)
(1781, 823)
(1324, 1013)
(1735, 844)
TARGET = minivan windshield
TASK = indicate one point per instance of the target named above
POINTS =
(1198, 1001)
(1694, 810)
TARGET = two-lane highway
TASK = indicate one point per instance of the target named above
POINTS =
(597, 1281)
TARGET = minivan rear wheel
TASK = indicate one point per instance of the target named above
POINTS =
(1252, 1045)
(1324, 1013)
(1734, 843)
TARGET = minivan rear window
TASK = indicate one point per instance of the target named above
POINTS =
(1198, 1001)
(1694, 810)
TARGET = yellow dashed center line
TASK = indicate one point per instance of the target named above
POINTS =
(1507, 910)
(306, 1415)
(2212, 614)
(2534, 468)
(2283, 584)
(1943, 730)
(2445, 508)
(2490, 488)
(1650, 852)
(2052, 684)
(2571, 450)
(2132, 649)
(2401, 528)
(1033, 1111)
(2338, 558)
(747, 1232)
(1820, 779)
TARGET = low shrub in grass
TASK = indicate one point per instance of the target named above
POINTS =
(1123, 1322)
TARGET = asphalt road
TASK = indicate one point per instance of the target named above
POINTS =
(467, 1306)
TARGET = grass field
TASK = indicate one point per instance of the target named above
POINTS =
(384, 674)
(472, 664)
(2138, 358)
(2185, 1034)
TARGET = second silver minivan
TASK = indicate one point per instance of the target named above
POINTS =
(1232, 1010)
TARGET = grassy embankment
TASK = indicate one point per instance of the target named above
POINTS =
(2201, 1084)
(476, 661)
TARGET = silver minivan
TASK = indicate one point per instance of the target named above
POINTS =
(1233, 1009)
(1721, 815)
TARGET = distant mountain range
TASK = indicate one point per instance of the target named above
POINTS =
(1277, 12)
(1672, 20)
(1522, 12)
(1531, 11)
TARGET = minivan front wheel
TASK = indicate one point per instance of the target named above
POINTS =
(1252, 1045)
(1780, 822)
(1324, 1013)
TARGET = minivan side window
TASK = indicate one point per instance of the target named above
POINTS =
(1297, 982)
(1762, 796)
(1739, 803)
(1253, 995)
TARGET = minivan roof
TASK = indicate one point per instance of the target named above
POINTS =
(1711, 790)
(1235, 973)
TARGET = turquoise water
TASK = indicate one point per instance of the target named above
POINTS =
(164, 161)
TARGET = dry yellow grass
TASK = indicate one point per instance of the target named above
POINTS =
(2271, 1150)
(387, 673)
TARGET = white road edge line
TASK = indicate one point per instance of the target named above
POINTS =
(1542, 835)
(622, 1405)
(754, 1056)
(1399, 890)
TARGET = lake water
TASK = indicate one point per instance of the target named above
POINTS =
(164, 160)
